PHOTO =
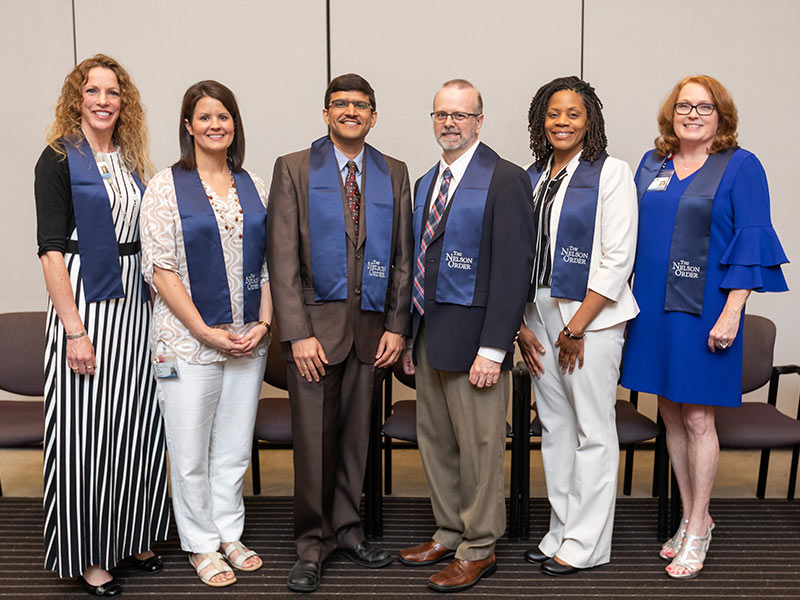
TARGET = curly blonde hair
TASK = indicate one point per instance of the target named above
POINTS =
(130, 130)
(667, 142)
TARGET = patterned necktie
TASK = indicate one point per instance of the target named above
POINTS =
(434, 216)
(353, 194)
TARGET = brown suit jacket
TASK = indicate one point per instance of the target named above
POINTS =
(340, 324)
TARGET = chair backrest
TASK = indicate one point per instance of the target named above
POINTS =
(407, 380)
(758, 345)
(275, 371)
(22, 352)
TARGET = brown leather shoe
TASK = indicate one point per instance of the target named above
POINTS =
(428, 553)
(462, 574)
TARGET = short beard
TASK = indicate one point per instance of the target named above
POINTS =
(463, 141)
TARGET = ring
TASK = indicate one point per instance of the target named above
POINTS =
(75, 369)
(723, 345)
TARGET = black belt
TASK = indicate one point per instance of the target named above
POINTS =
(125, 249)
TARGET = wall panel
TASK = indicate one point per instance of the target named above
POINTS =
(35, 55)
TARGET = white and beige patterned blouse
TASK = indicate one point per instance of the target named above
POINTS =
(162, 245)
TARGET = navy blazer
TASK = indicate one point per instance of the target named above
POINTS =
(455, 333)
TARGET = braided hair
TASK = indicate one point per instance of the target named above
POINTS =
(595, 141)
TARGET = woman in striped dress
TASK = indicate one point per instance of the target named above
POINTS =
(105, 488)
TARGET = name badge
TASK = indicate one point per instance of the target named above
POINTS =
(660, 183)
(166, 366)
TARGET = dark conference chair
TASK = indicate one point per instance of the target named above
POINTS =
(757, 425)
(632, 428)
(22, 345)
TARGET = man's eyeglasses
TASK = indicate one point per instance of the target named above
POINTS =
(703, 109)
(458, 117)
(357, 104)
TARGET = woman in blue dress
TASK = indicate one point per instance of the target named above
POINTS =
(705, 242)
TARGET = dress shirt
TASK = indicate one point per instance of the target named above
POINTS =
(342, 160)
(457, 170)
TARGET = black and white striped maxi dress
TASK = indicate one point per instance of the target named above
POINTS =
(105, 477)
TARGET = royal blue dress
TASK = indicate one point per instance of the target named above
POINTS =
(666, 353)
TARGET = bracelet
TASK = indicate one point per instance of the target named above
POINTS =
(75, 336)
(265, 324)
(571, 335)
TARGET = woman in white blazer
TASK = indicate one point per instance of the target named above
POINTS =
(586, 211)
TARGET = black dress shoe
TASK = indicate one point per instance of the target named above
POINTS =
(106, 590)
(534, 555)
(552, 567)
(305, 576)
(367, 555)
(152, 564)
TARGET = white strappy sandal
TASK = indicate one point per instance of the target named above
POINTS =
(691, 557)
(244, 554)
(218, 567)
(673, 545)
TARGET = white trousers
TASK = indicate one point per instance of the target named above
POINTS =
(209, 413)
(580, 450)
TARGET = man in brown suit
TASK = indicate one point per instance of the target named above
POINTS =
(339, 249)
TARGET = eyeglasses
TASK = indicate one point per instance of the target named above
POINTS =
(357, 104)
(703, 109)
(458, 117)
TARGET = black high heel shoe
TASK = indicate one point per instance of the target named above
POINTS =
(106, 590)
(152, 564)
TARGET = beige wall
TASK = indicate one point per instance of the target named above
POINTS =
(273, 55)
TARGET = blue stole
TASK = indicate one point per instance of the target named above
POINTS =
(204, 259)
(575, 229)
(688, 253)
(458, 263)
(97, 238)
(328, 240)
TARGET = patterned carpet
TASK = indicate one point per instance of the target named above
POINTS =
(755, 554)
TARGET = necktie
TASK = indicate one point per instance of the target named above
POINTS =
(353, 194)
(434, 216)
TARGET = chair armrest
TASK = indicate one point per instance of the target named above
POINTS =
(777, 371)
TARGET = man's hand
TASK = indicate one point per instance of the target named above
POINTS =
(408, 361)
(309, 358)
(484, 372)
(530, 347)
(389, 349)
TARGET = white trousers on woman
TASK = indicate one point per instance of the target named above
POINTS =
(580, 450)
(209, 414)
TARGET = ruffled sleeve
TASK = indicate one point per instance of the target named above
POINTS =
(754, 254)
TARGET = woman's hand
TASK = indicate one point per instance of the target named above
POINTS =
(222, 340)
(725, 329)
(530, 347)
(251, 339)
(570, 353)
(80, 356)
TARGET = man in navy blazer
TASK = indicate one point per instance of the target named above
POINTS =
(473, 227)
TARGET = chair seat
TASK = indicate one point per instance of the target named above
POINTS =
(274, 420)
(632, 426)
(756, 425)
(21, 423)
(402, 423)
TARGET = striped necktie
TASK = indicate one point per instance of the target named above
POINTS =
(434, 216)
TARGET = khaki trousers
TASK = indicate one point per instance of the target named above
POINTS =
(462, 439)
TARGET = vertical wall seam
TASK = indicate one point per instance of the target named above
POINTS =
(327, 39)
(583, 31)
(74, 37)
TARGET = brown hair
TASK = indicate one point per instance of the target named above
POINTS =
(211, 89)
(130, 130)
(726, 137)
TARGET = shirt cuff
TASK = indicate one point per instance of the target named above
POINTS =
(493, 354)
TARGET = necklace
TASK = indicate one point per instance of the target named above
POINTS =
(105, 163)
(222, 212)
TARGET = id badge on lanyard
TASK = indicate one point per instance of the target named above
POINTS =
(661, 181)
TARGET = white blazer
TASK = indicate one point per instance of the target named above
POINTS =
(613, 246)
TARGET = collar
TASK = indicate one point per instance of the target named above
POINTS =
(342, 160)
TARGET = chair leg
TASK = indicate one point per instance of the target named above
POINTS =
(675, 502)
(763, 468)
(1, 491)
(661, 478)
(627, 480)
(660, 449)
(255, 468)
(792, 473)
(387, 465)
(513, 503)
(523, 441)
